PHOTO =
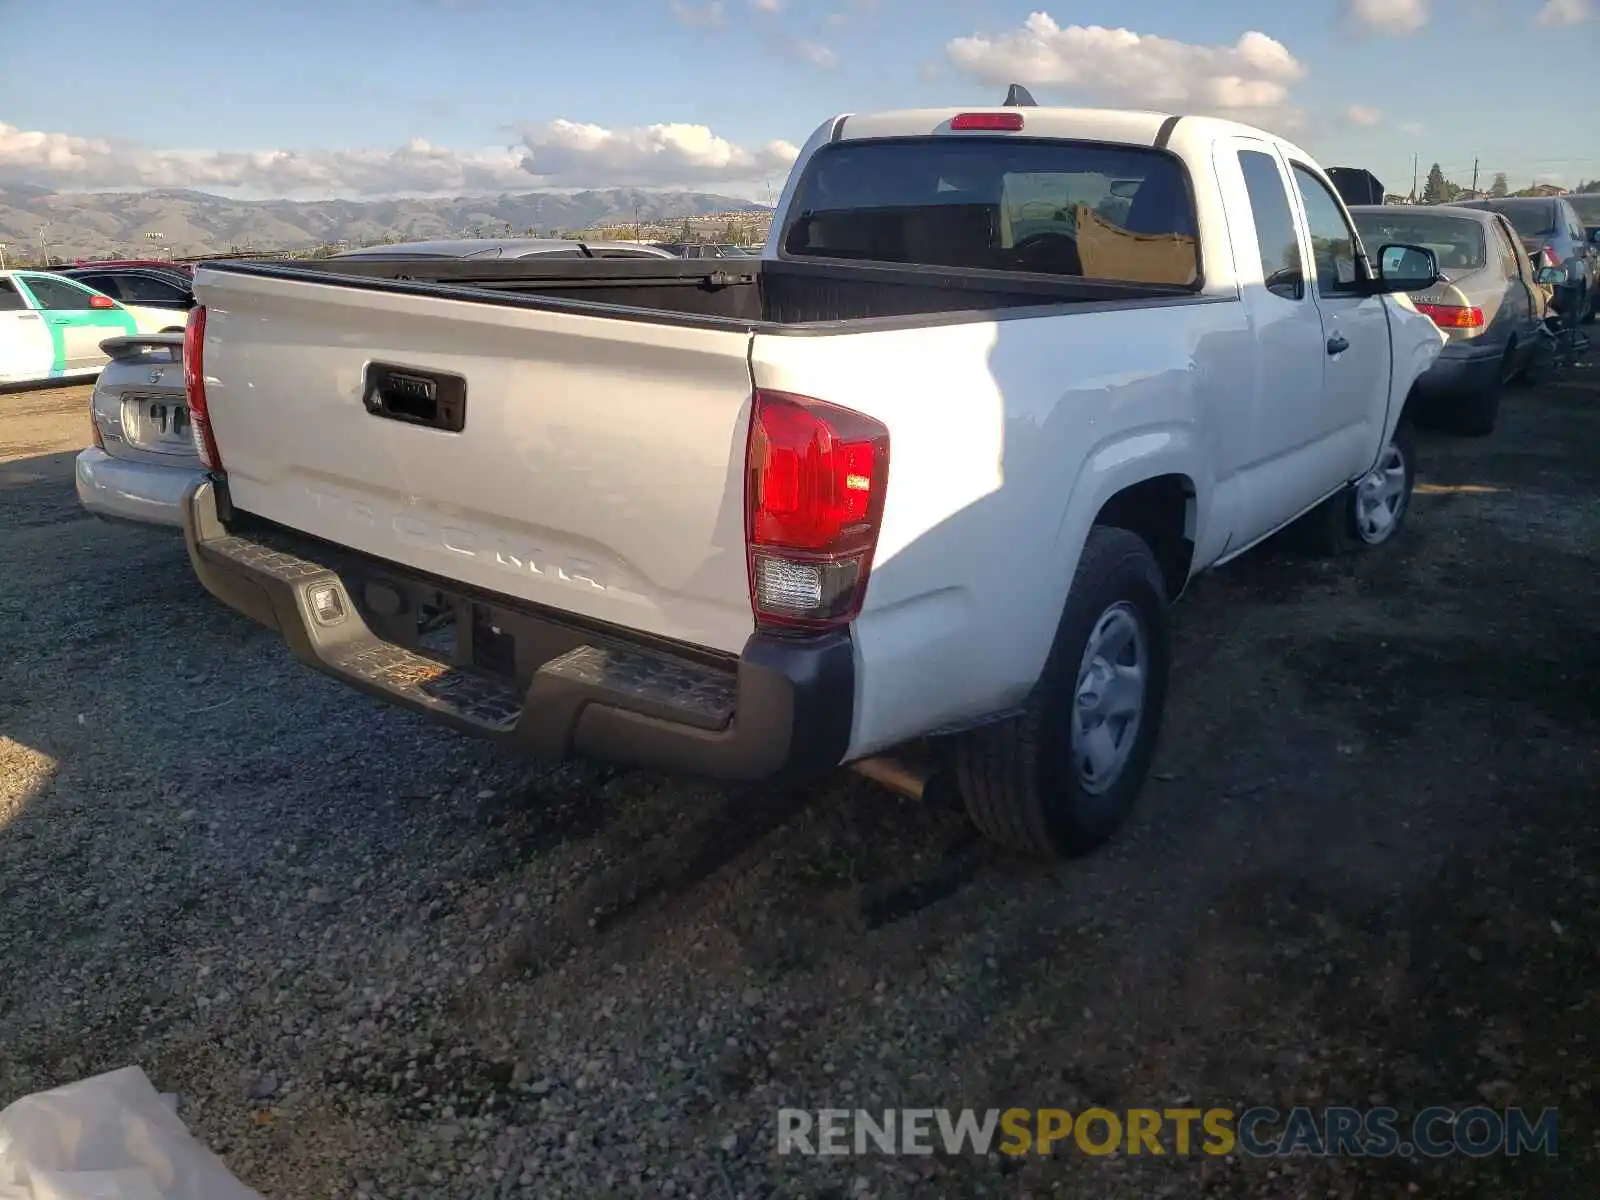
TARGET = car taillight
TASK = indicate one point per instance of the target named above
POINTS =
(816, 475)
(1551, 258)
(94, 428)
(194, 387)
(1006, 122)
(1452, 316)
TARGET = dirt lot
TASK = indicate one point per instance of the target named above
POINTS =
(374, 960)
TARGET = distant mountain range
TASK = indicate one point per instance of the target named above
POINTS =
(82, 224)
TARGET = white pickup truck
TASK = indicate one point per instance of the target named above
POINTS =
(923, 477)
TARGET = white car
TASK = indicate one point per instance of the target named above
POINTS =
(930, 471)
(51, 327)
(159, 298)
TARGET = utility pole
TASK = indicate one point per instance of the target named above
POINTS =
(1474, 176)
(1414, 159)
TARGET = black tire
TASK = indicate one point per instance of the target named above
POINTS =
(1478, 412)
(1020, 778)
(1336, 525)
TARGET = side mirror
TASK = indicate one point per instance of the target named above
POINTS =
(1405, 268)
(102, 302)
(1594, 236)
(1552, 276)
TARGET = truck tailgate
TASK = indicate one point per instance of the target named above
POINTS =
(598, 466)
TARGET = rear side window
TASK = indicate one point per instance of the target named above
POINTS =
(1079, 209)
(1510, 260)
(57, 294)
(145, 289)
(102, 283)
(10, 299)
(1275, 233)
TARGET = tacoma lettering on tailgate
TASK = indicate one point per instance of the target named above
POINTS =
(421, 530)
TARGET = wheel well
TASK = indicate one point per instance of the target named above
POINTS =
(1161, 511)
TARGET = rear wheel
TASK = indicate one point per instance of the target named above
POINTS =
(1060, 777)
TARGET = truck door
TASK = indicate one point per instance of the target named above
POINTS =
(1355, 325)
(1277, 438)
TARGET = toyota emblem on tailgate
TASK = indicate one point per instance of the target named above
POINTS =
(156, 373)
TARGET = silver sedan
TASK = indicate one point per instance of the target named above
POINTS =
(1489, 302)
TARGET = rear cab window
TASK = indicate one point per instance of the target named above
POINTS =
(11, 300)
(1083, 210)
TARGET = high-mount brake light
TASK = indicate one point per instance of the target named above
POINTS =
(993, 122)
(815, 480)
(194, 387)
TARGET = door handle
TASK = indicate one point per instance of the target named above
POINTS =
(1338, 344)
(27, 316)
(61, 320)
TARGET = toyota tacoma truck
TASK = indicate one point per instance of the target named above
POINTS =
(911, 492)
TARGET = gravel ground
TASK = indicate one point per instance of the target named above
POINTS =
(374, 960)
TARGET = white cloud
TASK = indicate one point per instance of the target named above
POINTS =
(708, 15)
(568, 154)
(557, 154)
(1363, 115)
(1249, 79)
(812, 54)
(1392, 18)
(1413, 128)
(767, 6)
(1566, 12)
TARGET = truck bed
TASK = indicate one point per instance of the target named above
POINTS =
(572, 434)
(772, 294)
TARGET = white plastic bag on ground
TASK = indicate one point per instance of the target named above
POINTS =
(110, 1137)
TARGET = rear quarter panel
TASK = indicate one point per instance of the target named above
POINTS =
(1006, 438)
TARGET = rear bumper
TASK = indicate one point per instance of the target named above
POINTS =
(1462, 369)
(149, 493)
(553, 687)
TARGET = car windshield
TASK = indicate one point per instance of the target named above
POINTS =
(1457, 241)
(1088, 210)
(1587, 207)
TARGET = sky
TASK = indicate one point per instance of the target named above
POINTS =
(370, 98)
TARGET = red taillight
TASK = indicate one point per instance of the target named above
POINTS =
(1452, 316)
(816, 475)
(1551, 258)
(94, 428)
(1004, 122)
(194, 387)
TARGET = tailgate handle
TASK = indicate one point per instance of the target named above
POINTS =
(435, 399)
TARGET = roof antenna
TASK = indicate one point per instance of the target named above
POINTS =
(1020, 97)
